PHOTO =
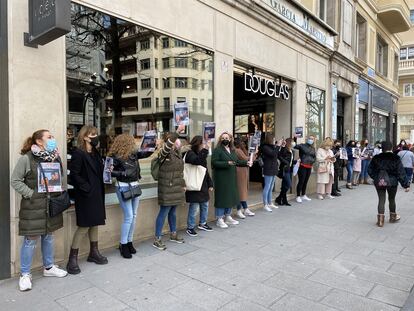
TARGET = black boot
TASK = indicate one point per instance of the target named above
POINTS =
(131, 247)
(95, 256)
(278, 200)
(124, 250)
(72, 266)
(285, 200)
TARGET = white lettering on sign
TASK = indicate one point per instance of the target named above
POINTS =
(44, 9)
(257, 84)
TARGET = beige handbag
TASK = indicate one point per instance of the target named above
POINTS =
(193, 176)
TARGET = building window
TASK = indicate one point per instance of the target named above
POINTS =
(156, 83)
(181, 62)
(166, 83)
(347, 22)
(195, 84)
(156, 63)
(361, 37)
(145, 64)
(146, 103)
(202, 84)
(181, 99)
(166, 62)
(157, 102)
(210, 66)
(382, 56)
(408, 89)
(179, 43)
(195, 64)
(155, 43)
(396, 63)
(195, 104)
(210, 104)
(203, 64)
(181, 83)
(411, 52)
(165, 43)
(315, 112)
(322, 9)
(379, 127)
(145, 84)
(166, 103)
(145, 44)
(403, 54)
(412, 16)
(210, 85)
(202, 104)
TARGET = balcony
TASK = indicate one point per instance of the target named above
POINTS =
(395, 15)
(406, 67)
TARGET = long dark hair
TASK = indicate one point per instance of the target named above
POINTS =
(240, 144)
(196, 142)
(349, 144)
(30, 141)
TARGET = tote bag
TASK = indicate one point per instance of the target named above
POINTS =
(193, 176)
(296, 168)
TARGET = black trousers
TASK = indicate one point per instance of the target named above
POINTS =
(392, 192)
(303, 175)
(335, 186)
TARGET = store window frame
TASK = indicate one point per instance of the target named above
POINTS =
(315, 111)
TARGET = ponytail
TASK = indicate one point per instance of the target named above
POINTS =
(30, 141)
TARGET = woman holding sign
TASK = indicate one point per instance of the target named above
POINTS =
(34, 220)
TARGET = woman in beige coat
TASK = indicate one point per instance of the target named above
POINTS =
(325, 159)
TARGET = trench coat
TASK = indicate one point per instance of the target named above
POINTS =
(321, 154)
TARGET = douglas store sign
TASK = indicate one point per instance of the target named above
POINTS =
(257, 84)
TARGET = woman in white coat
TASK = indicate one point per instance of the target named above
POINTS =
(325, 176)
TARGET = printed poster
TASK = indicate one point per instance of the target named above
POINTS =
(181, 114)
(149, 141)
(209, 132)
(52, 178)
(109, 162)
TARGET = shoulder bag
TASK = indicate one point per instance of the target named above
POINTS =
(193, 176)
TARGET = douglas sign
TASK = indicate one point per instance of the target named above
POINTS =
(256, 84)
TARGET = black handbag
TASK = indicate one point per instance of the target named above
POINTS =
(130, 193)
(58, 204)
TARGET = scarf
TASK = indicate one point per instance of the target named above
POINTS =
(44, 154)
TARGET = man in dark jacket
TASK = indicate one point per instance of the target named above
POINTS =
(387, 170)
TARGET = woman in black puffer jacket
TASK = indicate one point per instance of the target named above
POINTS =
(387, 170)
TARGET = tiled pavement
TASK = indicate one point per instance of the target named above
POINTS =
(321, 255)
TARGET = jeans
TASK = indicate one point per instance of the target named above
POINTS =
(392, 192)
(286, 182)
(409, 173)
(268, 188)
(192, 211)
(221, 211)
(172, 220)
(303, 176)
(130, 208)
(364, 169)
(242, 205)
(349, 170)
(28, 250)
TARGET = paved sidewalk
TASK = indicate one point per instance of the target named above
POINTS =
(318, 256)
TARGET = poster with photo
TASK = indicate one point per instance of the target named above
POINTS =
(356, 153)
(181, 114)
(343, 155)
(149, 141)
(254, 141)
(107, 177)
(49, 176)
(209, 132)
(299, 132)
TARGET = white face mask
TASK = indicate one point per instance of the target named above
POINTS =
(293, 144)
(358, 145)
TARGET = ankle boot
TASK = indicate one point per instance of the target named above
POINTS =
(285, 200)
(95, 256)
(131, 247)
(394, 217)
(279, 199)
(380, 220)
(124, 250)
(72, 266)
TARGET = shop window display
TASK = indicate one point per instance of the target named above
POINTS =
(315, 112)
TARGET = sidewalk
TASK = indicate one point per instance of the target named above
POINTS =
(317, 256)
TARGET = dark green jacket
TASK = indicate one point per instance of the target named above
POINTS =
(33, 215)
(226, 194)
(171, 175)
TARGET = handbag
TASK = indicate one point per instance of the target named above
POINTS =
(193, 176)
(322, 168)
(58, 204)
(131, 193)
(383, 180)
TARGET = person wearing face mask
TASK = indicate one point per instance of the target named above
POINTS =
(357, 166)
(127, 172)
(226, 195)
(338, 167)
(171, 187)
(350, 164)
(285, 170)
(86, 170)
(307, 157)
(325, 174)
(366, 158)
(34, 220)
(400, 146)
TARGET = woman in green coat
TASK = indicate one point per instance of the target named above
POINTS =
(226, 195)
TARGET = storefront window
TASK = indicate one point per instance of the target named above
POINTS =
(315, 112)
(379, 127)
(114, 81)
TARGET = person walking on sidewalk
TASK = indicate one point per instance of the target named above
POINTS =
(407, 159)
(34, 219)
(196, 153)
(307, 157)
(243, 179)
(226, 195)
(325, 174)
(338, 168)
(285, 170)
(171, 187)
(86, 171)
(350, 164)
(386, 169)
(127, 172)
(357, 166)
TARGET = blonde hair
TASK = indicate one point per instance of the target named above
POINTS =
(328, 142)
(123, 146)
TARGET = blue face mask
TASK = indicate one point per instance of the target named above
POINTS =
(310, 141)
(51, 145)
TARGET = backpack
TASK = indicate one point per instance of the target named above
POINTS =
(155, 167)
(383, 180)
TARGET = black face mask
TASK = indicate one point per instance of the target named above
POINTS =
(226, 142)
(94, 141)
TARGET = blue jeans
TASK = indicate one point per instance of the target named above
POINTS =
(242, 205)
(409, 173)
(286, 182)
(349, 170)
(268, 188)
(172, 219)
(28, 250)
(192, 211)
(221, 211)
(364, 169)
(130, 208)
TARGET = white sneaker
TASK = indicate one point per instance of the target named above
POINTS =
(248, 212)
(221, 224)
(329, 196)
(25, 282)
(55, 271)
(273, 206)
(240, 214)
(305, 197)
(320, 197)
(267, 208)
(299, 199)
(231, 221)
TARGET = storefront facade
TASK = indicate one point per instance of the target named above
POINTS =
(56, 87)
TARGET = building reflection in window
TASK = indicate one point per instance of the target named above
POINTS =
(315, 112)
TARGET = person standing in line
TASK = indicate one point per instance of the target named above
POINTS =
(407, 159)
(400, 146)
(338, 167)
(226, 195)
(34, 219)
(366, 158)
(307, 157)
(196, 153)
(285, 170)
(243, 179)
(86, 171)
(325, 174)
(357, 166)
(387, 170)
(350, 164)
